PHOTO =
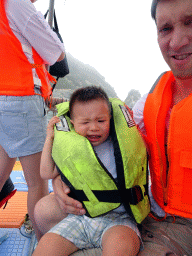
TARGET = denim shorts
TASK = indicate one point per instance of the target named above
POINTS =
(23, 124)
(87, 233)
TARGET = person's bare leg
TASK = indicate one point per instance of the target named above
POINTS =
(121, 241)
(53, 244)
(37, 187)
(48, 213)
(6, 166)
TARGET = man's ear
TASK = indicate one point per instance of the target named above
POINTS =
(72, 122)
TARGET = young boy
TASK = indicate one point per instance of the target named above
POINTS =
(100, 155)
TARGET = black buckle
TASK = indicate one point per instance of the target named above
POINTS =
(135, 195)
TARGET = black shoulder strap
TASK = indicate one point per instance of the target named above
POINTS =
(55, 25)
(156, 82)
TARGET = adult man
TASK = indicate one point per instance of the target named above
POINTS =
(164, 116)
(165, 119)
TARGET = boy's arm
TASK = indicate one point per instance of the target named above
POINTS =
(47, 167)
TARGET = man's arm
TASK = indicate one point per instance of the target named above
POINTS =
(61, 57)
(138, 113)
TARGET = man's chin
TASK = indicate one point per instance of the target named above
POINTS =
(182, 76)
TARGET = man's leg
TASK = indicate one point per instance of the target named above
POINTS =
(167, 238)
(48, 213)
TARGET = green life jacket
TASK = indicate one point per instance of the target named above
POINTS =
(87, 177)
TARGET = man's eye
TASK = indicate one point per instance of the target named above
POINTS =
(165, 29)
(188, 22)
(101, 121)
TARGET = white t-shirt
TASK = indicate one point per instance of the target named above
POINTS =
(105, 152)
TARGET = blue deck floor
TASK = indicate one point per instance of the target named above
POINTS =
(18, 242)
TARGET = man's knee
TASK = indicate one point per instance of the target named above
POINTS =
(48, 213)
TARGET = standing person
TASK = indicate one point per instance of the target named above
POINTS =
(165, 118)
(27, 44)
(100, 154)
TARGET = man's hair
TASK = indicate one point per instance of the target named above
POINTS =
(153, 8)
(86, 94)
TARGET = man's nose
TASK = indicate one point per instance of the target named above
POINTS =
(179, 38)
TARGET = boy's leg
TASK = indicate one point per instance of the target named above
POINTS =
(48, 213)
(53, 244)
(120, 240)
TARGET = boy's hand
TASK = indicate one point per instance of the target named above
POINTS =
(67, 204)
(50, 126)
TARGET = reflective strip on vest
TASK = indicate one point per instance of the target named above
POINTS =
(28, 49)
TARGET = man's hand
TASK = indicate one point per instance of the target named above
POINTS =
(67, 204)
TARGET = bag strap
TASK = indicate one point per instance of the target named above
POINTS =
(45, 16)
(55, 26)
(55, 23)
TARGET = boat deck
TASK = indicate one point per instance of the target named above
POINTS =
(14, 240)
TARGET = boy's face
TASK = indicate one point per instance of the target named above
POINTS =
(92, 120)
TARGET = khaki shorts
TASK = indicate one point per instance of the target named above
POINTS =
(160, 238)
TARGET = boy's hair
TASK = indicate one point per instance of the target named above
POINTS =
(86, 94)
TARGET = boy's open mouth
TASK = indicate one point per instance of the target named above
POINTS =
(93, 137)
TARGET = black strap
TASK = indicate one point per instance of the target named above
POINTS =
(55, 23)
(55, 26)
(45, 16)
(133, 195)
(156, 82)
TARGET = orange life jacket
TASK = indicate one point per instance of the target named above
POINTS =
(172, 179)
(16, 76)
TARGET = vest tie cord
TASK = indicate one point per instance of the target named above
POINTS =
(36, 65)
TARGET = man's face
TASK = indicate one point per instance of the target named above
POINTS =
(174, 30)
(92, 120)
